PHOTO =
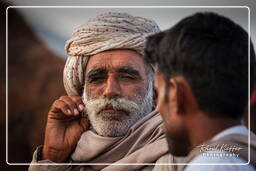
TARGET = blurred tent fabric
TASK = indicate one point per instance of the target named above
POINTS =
(34, 82)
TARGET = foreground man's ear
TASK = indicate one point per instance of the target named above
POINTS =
(176, 95)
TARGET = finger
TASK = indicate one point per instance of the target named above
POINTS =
(60, 105)
(72, 105)
(79, 102)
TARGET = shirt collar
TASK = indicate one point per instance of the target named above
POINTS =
(238, 129)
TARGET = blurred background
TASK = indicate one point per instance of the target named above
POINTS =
(55, 25)
(36, 56)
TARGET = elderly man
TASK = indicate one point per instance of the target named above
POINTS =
(106, 80)
(202, 82)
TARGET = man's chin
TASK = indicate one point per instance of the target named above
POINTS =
(110, 129)
(178, 148)
(177, 152)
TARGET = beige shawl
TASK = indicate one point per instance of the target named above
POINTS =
(144, 143)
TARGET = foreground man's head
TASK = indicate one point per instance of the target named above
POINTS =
(202, 79)
(105, 67)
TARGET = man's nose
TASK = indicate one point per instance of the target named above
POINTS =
(112, 88)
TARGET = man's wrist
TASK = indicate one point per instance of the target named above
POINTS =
(57, 156)
(37, 162)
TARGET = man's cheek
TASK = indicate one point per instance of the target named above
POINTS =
(92, 92)
(139, 92)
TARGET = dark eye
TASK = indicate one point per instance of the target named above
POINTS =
(127, 77)
(96, 79)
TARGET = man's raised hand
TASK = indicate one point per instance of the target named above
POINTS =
(64, 128)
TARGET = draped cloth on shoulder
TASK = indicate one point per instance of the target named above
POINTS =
(107, 31)
(144, 143)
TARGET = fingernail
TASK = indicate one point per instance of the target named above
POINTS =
(69, 112)
(81, 107)
(76, 112)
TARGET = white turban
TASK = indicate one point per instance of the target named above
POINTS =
(106, 31)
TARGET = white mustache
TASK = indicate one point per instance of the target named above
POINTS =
(99, 104)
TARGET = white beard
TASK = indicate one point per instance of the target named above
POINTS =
(114, 125)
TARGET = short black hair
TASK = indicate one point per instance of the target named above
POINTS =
(211, 52)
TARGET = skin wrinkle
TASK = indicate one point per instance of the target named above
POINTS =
(126, 70)
(106, 35)
(114, 90)
(130, 107)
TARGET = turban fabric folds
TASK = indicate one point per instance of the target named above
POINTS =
(106, 31)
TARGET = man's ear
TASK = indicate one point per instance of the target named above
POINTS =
(176, 96)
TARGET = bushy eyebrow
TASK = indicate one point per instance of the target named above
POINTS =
(95, 72)
(122, 70)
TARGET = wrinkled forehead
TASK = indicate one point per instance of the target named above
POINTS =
(116, 59)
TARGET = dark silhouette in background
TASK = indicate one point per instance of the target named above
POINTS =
(34, 81)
